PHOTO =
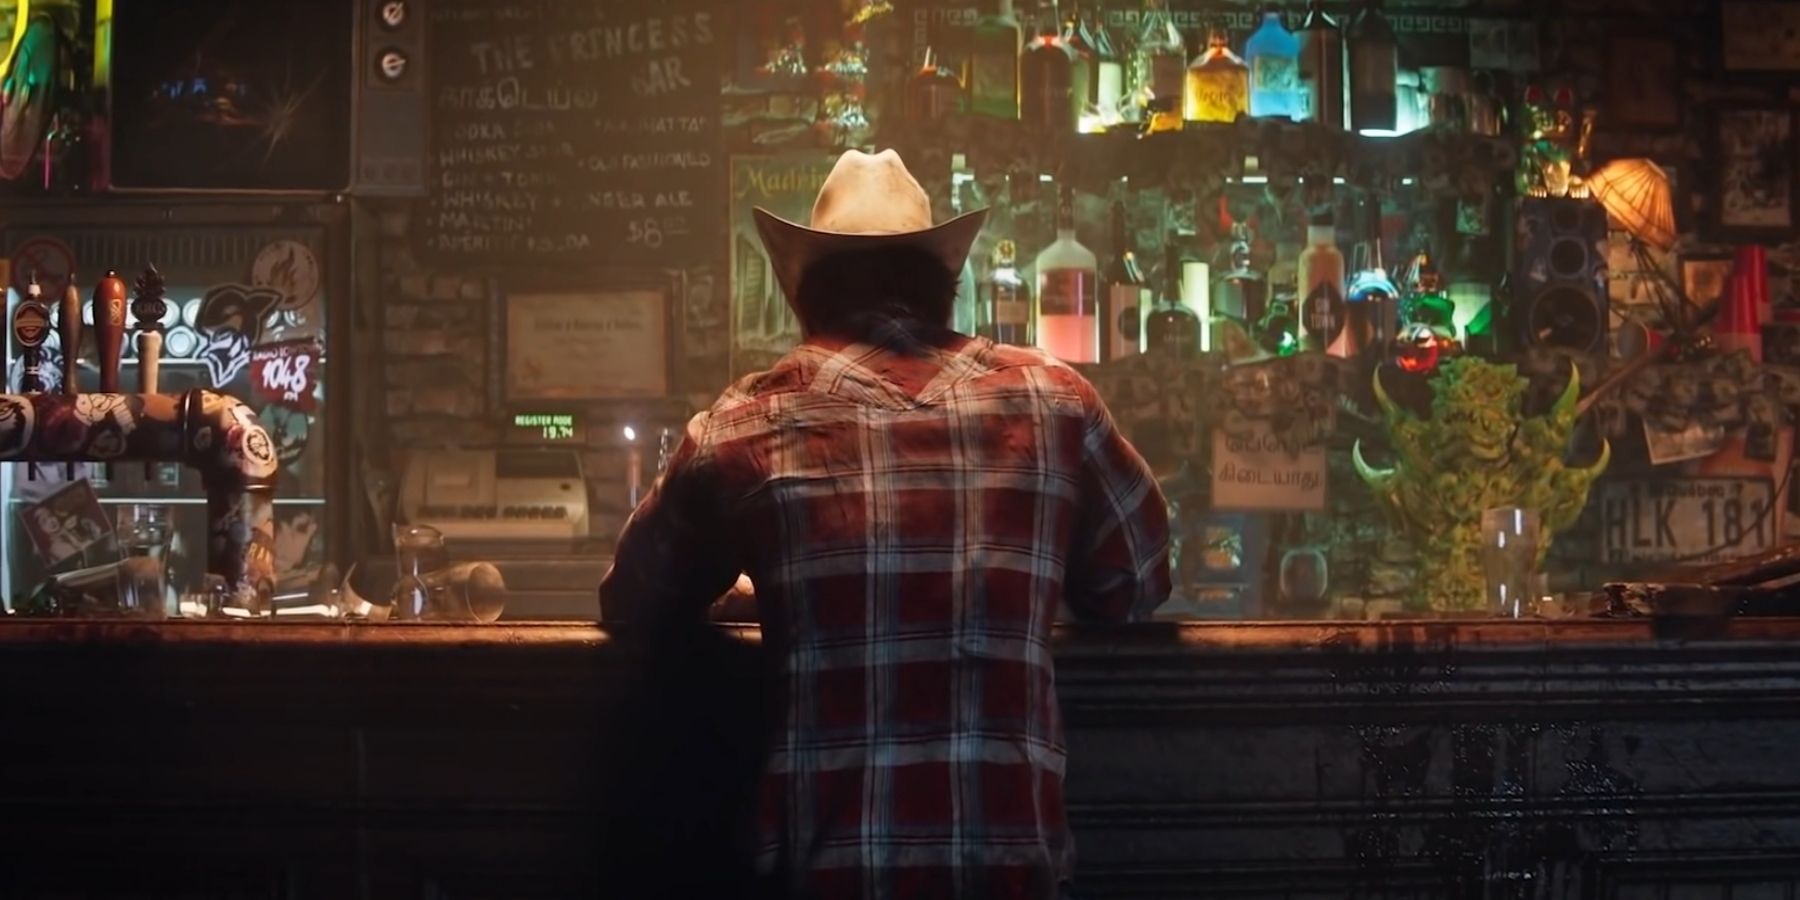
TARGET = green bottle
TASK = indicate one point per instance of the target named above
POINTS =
(994, 63)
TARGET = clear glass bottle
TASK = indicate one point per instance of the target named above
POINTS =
(1171, 327)
(1052, 82)
(1374, 65)
(1004, 313)
(1273, 54)
(1068, 319)
(1107, 95)
(1159, 76)
(1321, 67)
(1321, 276)
(1218, 83)
(994, 48)
(1127, 293)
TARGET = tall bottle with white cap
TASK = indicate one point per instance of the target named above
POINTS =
(1321, 286)
(1068, 276)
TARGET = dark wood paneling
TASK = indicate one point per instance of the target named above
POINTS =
(1394, 760)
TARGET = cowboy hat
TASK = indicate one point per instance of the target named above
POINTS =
(867, 202)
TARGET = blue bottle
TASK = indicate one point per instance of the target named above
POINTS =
(1273, 54)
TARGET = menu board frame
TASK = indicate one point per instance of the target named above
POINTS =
(598, 362)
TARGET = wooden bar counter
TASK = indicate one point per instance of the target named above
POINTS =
(1593, 759)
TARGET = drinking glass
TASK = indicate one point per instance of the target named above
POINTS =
(469, 592)
(418, 549)
(143, 529)
(1510, 537)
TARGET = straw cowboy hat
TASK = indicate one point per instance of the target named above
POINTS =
(866, 202)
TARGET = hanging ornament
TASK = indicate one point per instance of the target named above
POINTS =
(871, 9)
(789, 59)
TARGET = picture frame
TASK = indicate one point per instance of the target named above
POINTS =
(1759, 36)
(606, 338)
(1643, 82)
(1703, 278)
(1753, 189)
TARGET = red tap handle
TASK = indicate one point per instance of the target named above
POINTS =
(109, 328)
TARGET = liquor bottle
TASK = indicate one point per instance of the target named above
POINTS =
(1274, 57)
(1087, 61)
(1242, 292)
(1068, 319)
(1321, 277)
(933, 92)
(1373, 63)
(1171, 327)
(1127, 294)
(1159, 66)
(1052, 84)
(1004, 314)
(1108, 91)
(1321, 67)
(1218, 83)
(994, 63)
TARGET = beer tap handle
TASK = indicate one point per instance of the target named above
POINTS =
(109, 328)
(109, 333)
(68, 326)
(30, 328)
(149, 308)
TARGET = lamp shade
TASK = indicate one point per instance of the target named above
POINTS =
(1636, 194)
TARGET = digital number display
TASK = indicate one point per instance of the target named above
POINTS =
(548, 426)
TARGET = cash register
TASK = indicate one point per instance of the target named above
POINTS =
(505, 494)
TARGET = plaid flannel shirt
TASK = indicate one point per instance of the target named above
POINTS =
(911, 508)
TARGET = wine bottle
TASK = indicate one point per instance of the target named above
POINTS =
(1127, 294)
(1068, 320)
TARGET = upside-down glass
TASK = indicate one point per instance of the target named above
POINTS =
(418, 549)
(1510, 538)
(143, 531)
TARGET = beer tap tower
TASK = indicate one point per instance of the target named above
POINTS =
(217, 434)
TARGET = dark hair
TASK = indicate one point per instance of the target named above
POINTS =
(899, 281)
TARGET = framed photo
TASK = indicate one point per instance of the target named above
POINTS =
(1703, 278)
(578, 344)
(1759, 36)
(1643, 82)
(1753, 164)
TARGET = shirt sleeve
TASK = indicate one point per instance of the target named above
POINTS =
(673, 557)
(1119, 568)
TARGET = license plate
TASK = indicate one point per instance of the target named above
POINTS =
(1688, 520)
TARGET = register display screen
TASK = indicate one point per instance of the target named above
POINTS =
(546, 428)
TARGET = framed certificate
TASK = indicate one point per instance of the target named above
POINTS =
(600, 343)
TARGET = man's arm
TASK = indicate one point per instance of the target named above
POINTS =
(1119, 570)
(674, 557)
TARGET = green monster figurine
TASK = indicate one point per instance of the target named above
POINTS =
(1476, 452)
(1554, 156)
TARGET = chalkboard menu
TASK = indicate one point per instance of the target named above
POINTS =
(580, 133)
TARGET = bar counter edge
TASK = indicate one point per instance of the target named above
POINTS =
(1461, 758)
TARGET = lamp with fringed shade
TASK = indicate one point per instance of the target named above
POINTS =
(1636, 194)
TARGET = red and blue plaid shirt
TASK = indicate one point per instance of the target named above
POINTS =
(912, 508)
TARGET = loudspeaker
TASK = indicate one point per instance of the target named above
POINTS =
(1558, 284)
(392, 127)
